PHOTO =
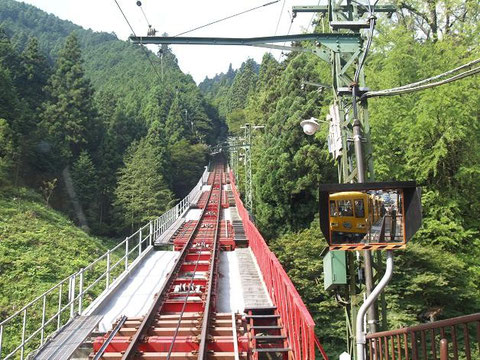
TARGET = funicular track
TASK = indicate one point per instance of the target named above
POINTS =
(178, 324)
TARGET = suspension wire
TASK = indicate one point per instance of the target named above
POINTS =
(128, 22)
(449, 72)
(404, 90)
(280, 17)
(288, 33)
(145, 16)
(228, 17)
(141, 46)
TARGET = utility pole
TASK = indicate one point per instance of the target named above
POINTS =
(247, 145)
(354, 156)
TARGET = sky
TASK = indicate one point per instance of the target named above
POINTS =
(176, 16)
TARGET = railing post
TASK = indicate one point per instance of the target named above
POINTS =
(443, 349)
(150, 228)
(42, 334)
(1, 340)
(140, 242)
(59, 306)
(80, 293)
(24, 329)
(73, 280)
(126, 253)
(107, 279)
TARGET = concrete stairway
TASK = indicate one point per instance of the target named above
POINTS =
(238, 230)
(254, 291)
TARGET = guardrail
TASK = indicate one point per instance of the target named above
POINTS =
(445, 339)
(31, 326)
(297, 321)
(169, 217)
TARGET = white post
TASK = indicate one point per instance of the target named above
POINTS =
(44, 307)
(126, 254)
(72, 295)
(107, 280)
(24, 329)
(80, 293)
(361, 339)
(1, 340)
(140, 242)
(150, 228)
(59, 306)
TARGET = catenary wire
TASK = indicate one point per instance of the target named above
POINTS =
(280, 17)
(142, 47)
(405, 90)
(227, 17)
(145, 16)
(449, 72)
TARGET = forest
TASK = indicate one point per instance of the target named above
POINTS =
(89, 129)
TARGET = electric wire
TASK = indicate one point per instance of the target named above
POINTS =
(280, 17)
(125, 17)
(449, 72)
(361, 64)
(141, 46)
(405, 90)
(227, 17)
(145, 16)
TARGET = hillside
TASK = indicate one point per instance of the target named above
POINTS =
(125, 107)
(38, 247)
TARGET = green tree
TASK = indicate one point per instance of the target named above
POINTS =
(6, 149)
(35, 74)
(142, 193)
(85, 180)
(187, 164)
(69, 118)
(300, 254)
(243, 85)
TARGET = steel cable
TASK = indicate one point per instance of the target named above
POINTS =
(143, 48)
(226, 18)
(410, 88)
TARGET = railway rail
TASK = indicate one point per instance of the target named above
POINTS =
(182, 322)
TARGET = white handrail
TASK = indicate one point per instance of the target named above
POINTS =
(75, 302)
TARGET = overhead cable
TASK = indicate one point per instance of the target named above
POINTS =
(228, 17)
(142, 47)
(139, 4)
(128, 22)
(449, 72)
(280, 17)
(408, 89)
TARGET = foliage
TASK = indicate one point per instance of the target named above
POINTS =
(39, 247)
(300, 254)
(187, 166)
(47, 189)
(142, 193)
(430, 136)
(67, 91)
(69, 132)
(427, 278)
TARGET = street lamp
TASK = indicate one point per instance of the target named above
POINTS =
(310, 126)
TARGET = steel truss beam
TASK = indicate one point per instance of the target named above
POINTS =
(337, 42)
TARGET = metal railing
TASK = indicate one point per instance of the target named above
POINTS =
(296, 320)
(168, 218)
(31, 326)
(457, 338)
